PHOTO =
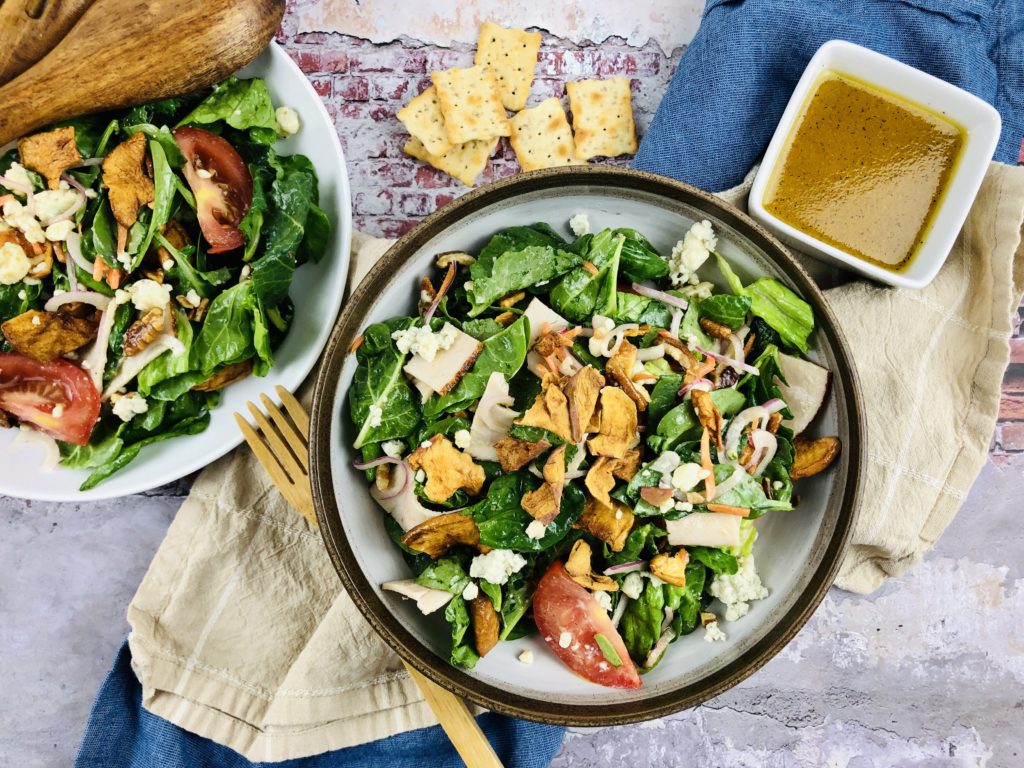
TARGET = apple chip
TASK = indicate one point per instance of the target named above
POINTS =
(611, 524)
(620, 367)
(463, 161)
(423, 119)
(671, 568)
(471, 103)
(577, 565)
(512, 54)
(541, 504)
(126, 178)
(447, 468)
(618, 425)
(542, 138)
(50, 153)
(436, 535)
(600, 480)
(514, 453)
(549, 411)
(602, 117)
(582, 391)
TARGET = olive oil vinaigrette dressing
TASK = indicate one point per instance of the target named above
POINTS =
(864, 170)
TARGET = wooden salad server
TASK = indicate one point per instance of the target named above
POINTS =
(30, 28)
(126, 52)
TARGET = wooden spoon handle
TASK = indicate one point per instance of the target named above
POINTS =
(127, 52)
(30, 28)
(458, 722)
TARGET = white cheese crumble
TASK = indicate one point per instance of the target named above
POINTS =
(374, 416)
(18, 216)
(22, 295)
(193, 298)
(58, 411)
(149, 294)
(496, 566)
(580, 224)
(245, 273)
(535, 530)
(666, 462)
(420, 476)
(60, 230)
(14, 265)
(713, 633)
(655, 580)
(168, 265)
(53, 202)
(526, 657)
(471, 591)
(392, 448)
(462, 439)
(36, 320)
(202, 173)
(684, 506)
(686, 476)
(565, 639)
(420, 340)
(736, 591)
(604, 600)
(691, 252)
(127, 407)
(633, 585)
(287, 120)
(19, 175)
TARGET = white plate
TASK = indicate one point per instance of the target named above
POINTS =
(317, 291)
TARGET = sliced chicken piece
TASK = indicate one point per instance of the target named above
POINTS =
(442, 374)
(405, 507)
(427, 600)
(492, 419)
(704, 529)
(538, 313)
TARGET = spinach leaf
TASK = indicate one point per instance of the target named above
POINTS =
(456, 614)
(204, 283)
(690, 330)
(447, 427)
(168, 365)
(640, 625)
(746, 493)
(504, 352)
(534, 434)
(314, 240)
(776, 304)
(718, 560)
(502, 521)
(241, 104)
(681, 425)
(104, 239)
(686, 601)
(763, 387)
(12, 303)
(632, 308)
(164, 138)
(446, 574)
(763, 335)
(165, 111)
(664, 397)
(516, 597)
(639, 259)
(482, 329)
(493, 591)
(251, 224)
(726, 309)
(512, 271)
(123, 315)
(642, 540)
(164, 186)
(379, 382)
(581, 293)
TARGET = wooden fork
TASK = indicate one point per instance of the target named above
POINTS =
(281, 443)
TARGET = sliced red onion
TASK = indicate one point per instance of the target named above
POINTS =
(739, 365)
(449, 278)
(15, 186)
(659, 649)
(703, 384)
(730, 482)
(766, 444)
(97, 300)
(774, 405)
(131, 366)
(677, 318)
(395, 489)
(669, 615)
(664, 298)
(620, 608)
(74, 244)
(96, 359)
(89, 163)
(735, 432)
(636, 565)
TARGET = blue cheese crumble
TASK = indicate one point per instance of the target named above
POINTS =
(690, 253)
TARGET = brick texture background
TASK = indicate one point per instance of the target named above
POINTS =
(365, 84)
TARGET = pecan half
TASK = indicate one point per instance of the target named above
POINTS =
(141, 333)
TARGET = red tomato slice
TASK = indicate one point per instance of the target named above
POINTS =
(561, 605)
(222, 184)
(31, 390)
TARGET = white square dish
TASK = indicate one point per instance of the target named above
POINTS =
(979, 121)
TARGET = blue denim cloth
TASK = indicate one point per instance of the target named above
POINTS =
(121, 734)
(737, 75)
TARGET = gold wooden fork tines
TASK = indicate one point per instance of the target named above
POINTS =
(281, 443)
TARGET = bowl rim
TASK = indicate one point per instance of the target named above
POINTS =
(401, 639)
(981, 135)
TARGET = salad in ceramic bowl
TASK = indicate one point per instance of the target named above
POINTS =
(572, 438)
(145, 264)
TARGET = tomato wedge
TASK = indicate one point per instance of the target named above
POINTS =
(222, 184)
(561, 605)
(31, 391)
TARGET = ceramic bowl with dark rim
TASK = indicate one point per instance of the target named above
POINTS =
(798, 553)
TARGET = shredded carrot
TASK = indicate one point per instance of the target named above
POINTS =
(705, 462)
(58, 251)
(122, 239)
(357, 342)
(544, 328)
(643, 376)
(550, 360)
(590, 268)
(572, 334)
(559, 353)
(114, 278)
(728, 509)
(99, 267)
(704, 368)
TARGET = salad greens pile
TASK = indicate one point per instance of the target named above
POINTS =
(170, 301)
(563, 448)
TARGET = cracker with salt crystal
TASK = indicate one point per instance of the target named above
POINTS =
(541, 137)
(463, 161)
(602, 117)
(512, 54)
(471, 104)
(423, 119)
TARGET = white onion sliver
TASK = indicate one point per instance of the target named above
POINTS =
(774, 405)
(650, 353)
(703, 384)
(763, 441)
(131, 366)
(659, 648)
(395, 488)
(96, 359)
(669, 615)
(664, 298)
(97, 300)
(730, 482)
(15, 186)
(74, 244)
(636, 565)
(620, 608)
(737, 364)
(737, 425)
(677, 319)
(28, 435)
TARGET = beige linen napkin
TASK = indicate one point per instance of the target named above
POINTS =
(241, 631)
